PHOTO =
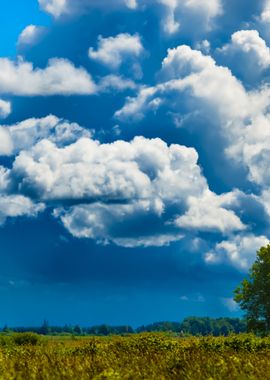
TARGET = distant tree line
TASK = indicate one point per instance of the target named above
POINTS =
(189, 326)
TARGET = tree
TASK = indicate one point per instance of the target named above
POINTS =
(77, 330)
(45, 328)
(253, 294)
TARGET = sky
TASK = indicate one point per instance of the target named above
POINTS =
(134, 158)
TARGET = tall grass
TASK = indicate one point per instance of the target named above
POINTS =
(142, 356)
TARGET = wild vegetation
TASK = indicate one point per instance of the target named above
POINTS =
(139, 356)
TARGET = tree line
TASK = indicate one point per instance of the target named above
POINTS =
(189, 326)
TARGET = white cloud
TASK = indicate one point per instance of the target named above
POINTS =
(248, 51)
(5, 108)
(132, 4)
(113, 51)
(117, 83)
(208, 213)
(113, 223)
(102, 191)
(242, 117)
(30, 35)
(173, 13)
(186, 69)
(204, 46)
(54, 7)
(58, 8)
(265, 15)
(157, 240)
(177, 11)
(141, 169)
(25, 134)
(4, 180)
(6, 145)
(240, 251)
(60, 77)
(16, 205)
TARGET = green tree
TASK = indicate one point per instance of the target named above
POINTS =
(77, 330)
(45, 328)
(253, 294)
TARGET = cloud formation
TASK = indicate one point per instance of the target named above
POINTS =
(101, 191)
(240, 251)
(248, 55)
(58, 8)
(209, 213)
(5, 108)
(54, 7)
(25, 134)
(113, 51)
(241, 116)
(177, 11)
(173, 12)
(30, 35)
(60, 77)
(13, 206)
(250, 43)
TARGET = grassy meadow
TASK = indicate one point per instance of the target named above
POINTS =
(142, 356)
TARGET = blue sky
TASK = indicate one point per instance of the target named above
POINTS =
(134, 157)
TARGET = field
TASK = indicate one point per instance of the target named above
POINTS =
(142, 356)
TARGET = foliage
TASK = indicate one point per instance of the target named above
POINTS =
(190, 325)
(27, 338)
(212, 326)
(253, 294)
(138, 356)
(199, 326)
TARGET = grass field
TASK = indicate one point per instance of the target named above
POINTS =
(143, 356)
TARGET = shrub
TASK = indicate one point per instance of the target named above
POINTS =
(27, 338)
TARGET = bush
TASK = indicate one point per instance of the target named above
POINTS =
(27, 338)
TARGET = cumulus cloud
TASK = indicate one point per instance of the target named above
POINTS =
(5, 108)
(240, 251)
(241, 116)
(250, 42)
(247, 53)
(204, 46)
(179, 10)
(132, 4)
(209, 213)
(58, 8)
(116, 83)
(120, 171)
(25, 134)
(30, 35)
(115, 223)
(186, 69)
(135, 107)
(4, 180)
(60, 77)
(111, 192)
(265, 15)
(113, 51)
(16, 205)
(6, 146)
(173, 13)
(54, 7)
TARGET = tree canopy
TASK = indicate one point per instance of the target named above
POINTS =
(253, 294)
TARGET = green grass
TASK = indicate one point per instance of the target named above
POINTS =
(143, 356)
